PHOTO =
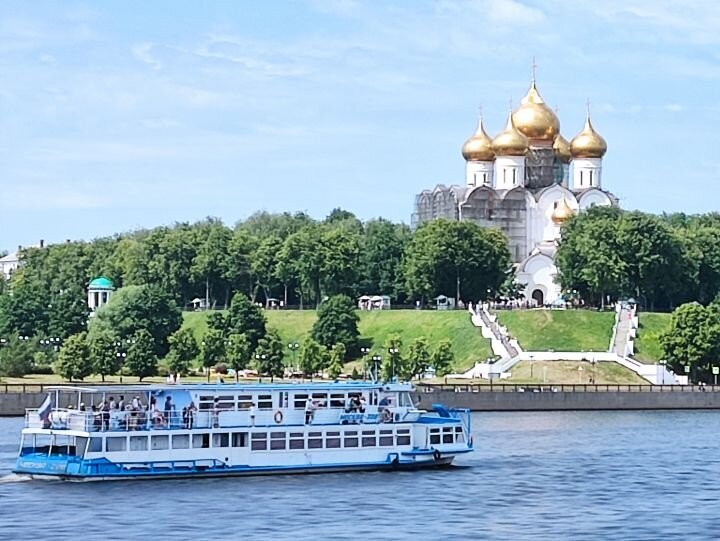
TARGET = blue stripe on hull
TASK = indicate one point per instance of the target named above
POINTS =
(233, 471)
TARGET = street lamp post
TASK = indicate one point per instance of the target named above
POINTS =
(393, 352)
(377, 360)
(365, 351)
(662, 363)
(260, 357)
(593, 360)
(293, 346)
(531, 366)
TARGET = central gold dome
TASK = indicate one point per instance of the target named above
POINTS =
(510, 142)
(534, 119)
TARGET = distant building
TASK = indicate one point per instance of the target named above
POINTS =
(11, 262)
(99, 292)
(526, 181)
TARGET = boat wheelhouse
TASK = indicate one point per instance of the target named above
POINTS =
(236, 429)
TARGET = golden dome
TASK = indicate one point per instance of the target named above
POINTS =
(510, 142)
(534, 119)
(562, 149)
(588, 143)
(479, 146)
(562, 212)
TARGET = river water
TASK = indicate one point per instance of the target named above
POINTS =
(554, 475)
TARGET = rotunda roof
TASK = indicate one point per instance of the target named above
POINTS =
(101, 283)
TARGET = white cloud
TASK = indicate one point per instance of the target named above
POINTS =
(141, 51)
(673, 107)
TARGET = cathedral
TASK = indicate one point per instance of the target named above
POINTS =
(526, 181)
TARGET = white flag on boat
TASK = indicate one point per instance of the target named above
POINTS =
(45, 409)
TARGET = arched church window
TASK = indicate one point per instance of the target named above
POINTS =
(504, 175)
(514, 177)
(581, 178)
(591, 178)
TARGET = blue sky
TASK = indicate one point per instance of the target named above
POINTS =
(116, 115)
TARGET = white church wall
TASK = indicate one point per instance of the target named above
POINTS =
(539, 273)
(586, 173)
(509, 172)
(479, 173)
(593, 197)
(546, 229)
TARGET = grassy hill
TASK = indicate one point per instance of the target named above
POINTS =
(647, 345)
(377, 326)
(559, 330)
(567, 372)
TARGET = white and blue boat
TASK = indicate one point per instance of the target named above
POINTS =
(204, 430)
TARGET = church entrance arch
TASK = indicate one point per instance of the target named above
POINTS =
(539, 297)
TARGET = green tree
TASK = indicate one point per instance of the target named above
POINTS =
(340, 261)
(73, 361)
(135, 308)
(419, 358)
(183, 351)
(443, 358)
(693, 338)
(312, 356)
(269, 355)
(16, 357)
(265, 264)
(301, 258)
(337, 361)
(239, 353)
(141, 358)
(382, 257)
(104, 353)
(246, 318)
(213, 348)
(211, 264)
(459, 259)
(337, 323)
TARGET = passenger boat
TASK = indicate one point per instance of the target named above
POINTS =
(205, 430)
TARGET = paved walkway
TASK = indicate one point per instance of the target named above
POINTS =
(622, 333)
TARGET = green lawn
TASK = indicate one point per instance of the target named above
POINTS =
(567, 372)
(377, 326)
(647, 346)
(559, 330)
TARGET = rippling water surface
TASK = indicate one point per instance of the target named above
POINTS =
(589, 475)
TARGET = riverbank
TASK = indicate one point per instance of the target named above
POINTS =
(15, 400)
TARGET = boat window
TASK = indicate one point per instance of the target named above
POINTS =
(116, 444)
(315, 440)
(201, 441)
(265, 402)
(205, 402)
(258, 441)
(368, 438)
(434, 436)
(351, 439)
(386, 438)
(80, 443)
(448, 434)
(181, 441)
(403, 436)
(299, 401)
(138, 443)
(297, 440)
(406, 400)
(159, 443)
(277, 441)
(283, 400)
(95, 445)
(221, 440)
(239, 439)
(321, 399)
(332, 440)
(337, 400)
(244, 401)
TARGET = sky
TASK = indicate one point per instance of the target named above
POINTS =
(118, 115)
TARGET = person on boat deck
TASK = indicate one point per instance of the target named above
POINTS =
(310, 407)
(97, 421)
(158, 419)
(136, 403)
(113, 404)
(216, 413)
(251, 413)
(168, 409)
(363, 403)
(105, 414)
(121, 403)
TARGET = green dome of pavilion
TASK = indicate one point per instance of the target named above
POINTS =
(101, 283)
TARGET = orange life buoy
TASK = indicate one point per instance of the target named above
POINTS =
(278, 416)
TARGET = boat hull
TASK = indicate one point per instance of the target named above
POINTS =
(237, 471)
